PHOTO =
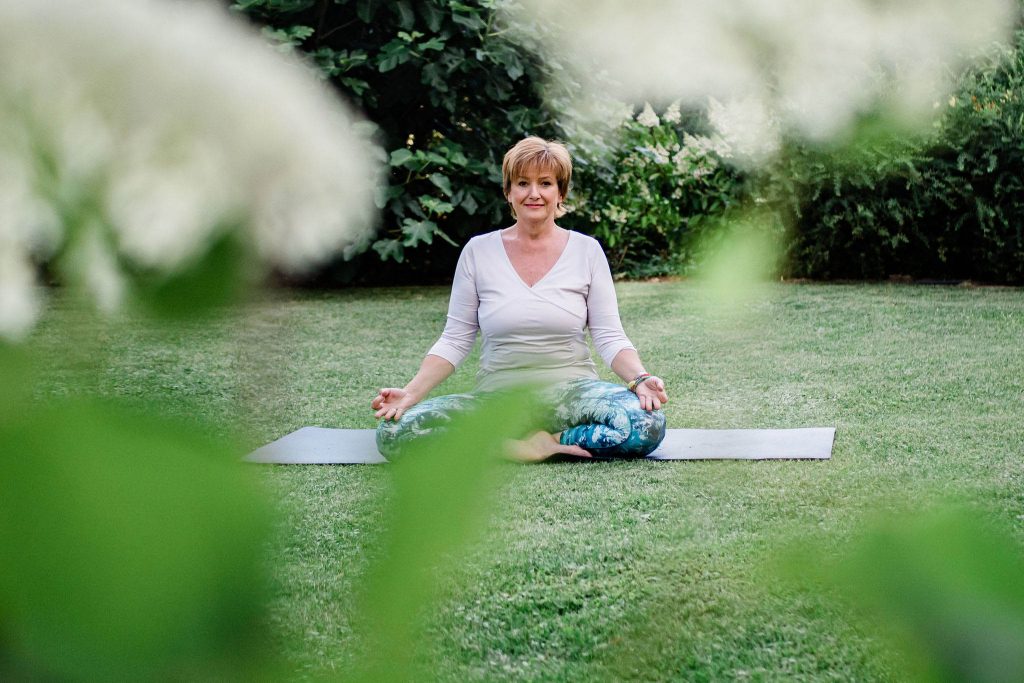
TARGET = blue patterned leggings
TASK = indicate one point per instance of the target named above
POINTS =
(603, 418)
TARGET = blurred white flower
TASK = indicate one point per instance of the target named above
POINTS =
(660, 154)
(161, 125)
(745, 128)
(811, 66)
(647, 117)
(672, 114)
(98, 270)
(19, 294)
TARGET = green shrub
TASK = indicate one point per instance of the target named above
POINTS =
(450, 89)
(448, 93)
(948, 204)
(650, 199)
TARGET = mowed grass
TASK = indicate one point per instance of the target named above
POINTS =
(607, 571)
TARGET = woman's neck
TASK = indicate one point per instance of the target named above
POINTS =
(534, 232)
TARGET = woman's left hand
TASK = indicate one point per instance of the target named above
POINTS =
(652, 394)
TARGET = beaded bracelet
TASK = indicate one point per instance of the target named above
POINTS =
(640, 379)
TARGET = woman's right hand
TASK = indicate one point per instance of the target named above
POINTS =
(392, 402)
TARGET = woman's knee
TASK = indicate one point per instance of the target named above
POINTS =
(648, 430)
(429, 417)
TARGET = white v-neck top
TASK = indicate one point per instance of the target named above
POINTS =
(532, 334)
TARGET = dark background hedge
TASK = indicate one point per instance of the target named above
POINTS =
(450, 92)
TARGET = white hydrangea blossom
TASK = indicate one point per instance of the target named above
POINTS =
(647, 117)
(152, 127)
(672, 114)
(661, 154)
(811, 66)
(745, 128)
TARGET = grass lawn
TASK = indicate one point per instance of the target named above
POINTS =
(604, 571)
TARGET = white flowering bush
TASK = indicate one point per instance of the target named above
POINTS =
(649, 200)
(780, 67)
(827, 111)
(143, 142)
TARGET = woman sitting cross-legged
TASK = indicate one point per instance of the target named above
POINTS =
(532, 289)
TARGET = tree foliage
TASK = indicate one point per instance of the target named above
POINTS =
(450, 89)
(947, 204)
(449, 94)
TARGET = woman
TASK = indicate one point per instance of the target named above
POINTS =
(531, 289)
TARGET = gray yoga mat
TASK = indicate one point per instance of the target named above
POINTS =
(321, 446)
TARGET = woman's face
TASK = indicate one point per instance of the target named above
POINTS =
(534, 195)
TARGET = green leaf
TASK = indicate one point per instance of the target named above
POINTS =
(389, 249)
(409, 37)
(442, 182)
(365, 9)
(355, 85)
(406, 18)
(470, 204)
(443, 235)
(215, 279)
(388, 63)
(400, 156)
(514, 66)
(437, 159)
(131, 544)
(435, 205)
(434, 43)
(432, 15)
(444, 488)
(418, 231)
(471, 22)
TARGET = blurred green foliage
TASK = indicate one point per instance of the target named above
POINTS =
(204, 288)
(943, 586)
(443, 488)
(132, 544)
(947, 203)
(737, 256)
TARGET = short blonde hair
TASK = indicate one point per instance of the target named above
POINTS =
(535, 152)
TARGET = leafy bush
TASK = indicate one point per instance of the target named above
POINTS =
(449, 94)
(449, 90)
(651, 198)
(948, 204)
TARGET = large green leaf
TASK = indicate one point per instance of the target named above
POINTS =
(443, 487)
(215, 279)
(418, 231)
(131, 545)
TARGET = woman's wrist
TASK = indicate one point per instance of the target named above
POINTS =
(638, 380)
(412, 392)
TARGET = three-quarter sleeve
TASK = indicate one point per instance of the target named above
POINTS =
(460, 329)
(603, 309)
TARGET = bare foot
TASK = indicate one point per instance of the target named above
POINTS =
(540, 446)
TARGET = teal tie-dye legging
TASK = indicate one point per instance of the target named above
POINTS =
(603, 418)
